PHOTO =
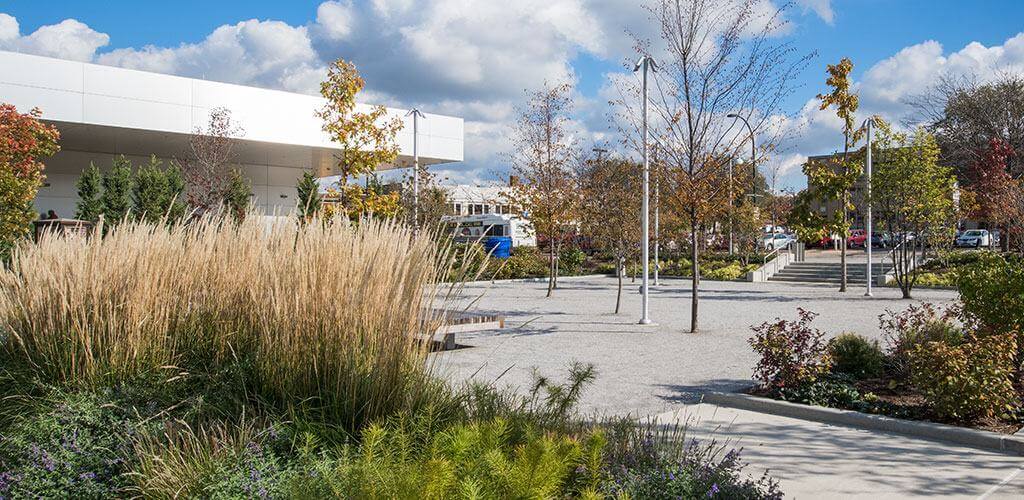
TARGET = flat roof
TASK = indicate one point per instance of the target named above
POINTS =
(110, 108)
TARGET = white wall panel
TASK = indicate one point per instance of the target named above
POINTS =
(131, 113)
(41, 72)
(138, 85)
(55, 104)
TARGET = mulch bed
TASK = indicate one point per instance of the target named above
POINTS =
(907, 403)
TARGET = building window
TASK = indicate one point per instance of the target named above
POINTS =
(458, 209)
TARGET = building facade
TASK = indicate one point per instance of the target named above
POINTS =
(104, 111)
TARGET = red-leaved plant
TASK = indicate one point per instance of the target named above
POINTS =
(792, 353)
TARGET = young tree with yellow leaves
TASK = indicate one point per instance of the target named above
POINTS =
(834, 179)
(546, 191)
(366, 139)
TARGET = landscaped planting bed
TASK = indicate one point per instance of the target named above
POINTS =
(959, 365)
(225, 360)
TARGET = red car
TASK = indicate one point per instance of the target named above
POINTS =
(857, 238)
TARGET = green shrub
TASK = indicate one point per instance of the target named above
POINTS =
(830, 390)
(904, 331)
(946, 279)
(71, 447)
(726, 273)
(409, 459)
(968, 380)
(856, 356)
(525, 262)
(792, 353)
(570, 261)
(992, 292)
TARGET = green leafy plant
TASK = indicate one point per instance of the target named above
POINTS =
(90, 194)
(570, 261)
(157, 192)
(117, 191)
(967, 380)
(237, 194)
(905, 330)
(792, 353)
(309, 200)
(992, 292)
(856, 356)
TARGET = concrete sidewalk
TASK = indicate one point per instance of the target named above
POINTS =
(815, 460)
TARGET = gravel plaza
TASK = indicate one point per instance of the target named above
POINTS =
(660, 371)
(647, 369)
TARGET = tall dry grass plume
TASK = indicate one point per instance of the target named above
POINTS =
(322, 317)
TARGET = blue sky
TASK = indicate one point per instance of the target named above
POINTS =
(475, 59)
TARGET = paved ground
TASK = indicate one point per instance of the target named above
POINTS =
(647, 369)
(815, 460)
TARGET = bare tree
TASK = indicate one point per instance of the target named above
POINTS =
(543, 156)
(611, 208)
(965, 115)
(718, 58)
(212, 151)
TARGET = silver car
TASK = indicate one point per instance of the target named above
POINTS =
(974, 238)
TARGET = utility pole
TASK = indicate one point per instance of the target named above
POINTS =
(868, 124)
(647, 64)
(415, 168)
(657, 209)
(732, 205)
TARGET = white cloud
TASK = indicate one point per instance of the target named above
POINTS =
(823, 8)
(68, 39)
(265, 53)
(887, 85)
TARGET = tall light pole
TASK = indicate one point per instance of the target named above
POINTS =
(657, 209)
(415, 167)
(868, 124)
(732, 163)
(753, 157)
(647, 64)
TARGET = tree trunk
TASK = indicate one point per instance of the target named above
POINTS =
(556, 267)
(695, 280)
(618, 272)
(551, 268)
(842, 249)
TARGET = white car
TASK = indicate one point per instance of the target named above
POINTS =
(976, 238)
(779, 240)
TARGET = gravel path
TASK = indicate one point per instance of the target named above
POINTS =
(646, 369)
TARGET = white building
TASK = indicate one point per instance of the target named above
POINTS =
(477, 200)
(104, 111)
(485, 211)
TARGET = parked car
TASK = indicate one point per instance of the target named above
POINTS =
(974, 238)
(857, 238)
(779, 240)
(880, 240)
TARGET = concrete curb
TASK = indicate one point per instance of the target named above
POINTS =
(928, 430)
(536, 280)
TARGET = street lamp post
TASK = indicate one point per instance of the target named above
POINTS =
(868, 124)
(732, 163)
(647, 64)
(657, 224)
(753, 156)
(416, 114)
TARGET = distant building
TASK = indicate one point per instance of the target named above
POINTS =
(857, 219)
(483, 211)
(478, 200)
(104, 111)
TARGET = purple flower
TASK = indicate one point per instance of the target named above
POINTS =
(713, 491)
